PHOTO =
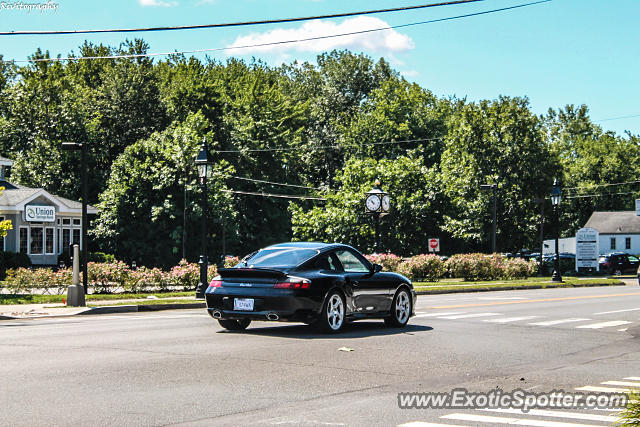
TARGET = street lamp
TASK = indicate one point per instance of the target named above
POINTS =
(203, 160)
(377, 204)
(494, 188)
(82, 147)
(556, 197)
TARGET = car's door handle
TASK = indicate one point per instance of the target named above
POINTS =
(354, 282)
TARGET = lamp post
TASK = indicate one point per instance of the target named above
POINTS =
(556, 197)
(203, 160)
(494, 188)
(377, 204)
(82, 147)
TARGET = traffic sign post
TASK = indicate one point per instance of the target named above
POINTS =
(434, 245)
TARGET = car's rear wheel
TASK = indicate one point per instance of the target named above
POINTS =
(617, 272)
(332, 316)
(235, 325)
(400, 310)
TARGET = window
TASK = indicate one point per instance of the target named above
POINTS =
(351, 263)
(278, 257)
(76, 222)
(24, 244)
(66, 239)
(2, 238)
(633, 259)
(37, 240)
(328, 262)
(613, 243)
(627, 243)
(66, 221)
(48, 241)
(76, 236)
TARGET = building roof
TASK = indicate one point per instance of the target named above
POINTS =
(625, 222)
(15, 194)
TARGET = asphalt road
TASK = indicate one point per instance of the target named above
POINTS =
(181, 368)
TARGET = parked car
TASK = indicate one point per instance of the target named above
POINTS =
(321, 284)
(567, 263)
(618, 263)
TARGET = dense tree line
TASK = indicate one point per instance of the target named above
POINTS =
(332, 127)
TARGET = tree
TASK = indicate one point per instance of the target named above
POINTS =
(414, 217)
(153, 191)
(499, 142)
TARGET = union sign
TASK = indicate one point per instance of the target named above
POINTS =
(38, 213)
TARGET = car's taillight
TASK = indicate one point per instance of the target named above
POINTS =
(293, 283)
(216, 282)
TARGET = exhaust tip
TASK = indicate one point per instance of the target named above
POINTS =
(272, 316)
(216, 314)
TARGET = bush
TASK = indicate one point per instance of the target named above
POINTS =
(231, 261)
(100, 257)
(22, 280)
(423, 267)
(185, 275)
(389, 262)
(473, 267)
(12, 260)
(105, 277)
(630, 416)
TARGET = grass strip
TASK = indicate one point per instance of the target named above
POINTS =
(513, 285)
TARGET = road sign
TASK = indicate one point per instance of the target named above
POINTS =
(434, 245)
(587, 248)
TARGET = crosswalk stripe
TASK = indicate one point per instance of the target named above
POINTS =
(617, 311)
(559, 321)
(423, 424)
(603, 389)
(556, 414)
(449, 313)
(509, 319)
(512, 421)
(469, 316)
(622, 383)
(604, 324)
(633, 378)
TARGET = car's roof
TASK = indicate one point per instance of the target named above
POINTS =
(306, 245)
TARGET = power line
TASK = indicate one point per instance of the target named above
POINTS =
(283, 42)
(585, 196)
(308, 148)
(274, 183)
(238, 24)
(618, 118)
(282, 196)
(603, 185)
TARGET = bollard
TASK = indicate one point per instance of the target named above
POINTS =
(75, 292)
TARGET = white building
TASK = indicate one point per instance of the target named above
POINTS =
(619, 231)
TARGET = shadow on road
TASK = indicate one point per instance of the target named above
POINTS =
(349, 330)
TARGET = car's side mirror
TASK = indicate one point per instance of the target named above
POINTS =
(376, 268)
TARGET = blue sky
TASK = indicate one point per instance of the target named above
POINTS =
(556, 53)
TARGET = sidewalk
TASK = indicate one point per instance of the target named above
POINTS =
(29, 311)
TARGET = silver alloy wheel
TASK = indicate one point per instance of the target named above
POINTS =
(335, 312)
(403, 307)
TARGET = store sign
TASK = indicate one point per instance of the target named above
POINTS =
(37, 213)
(587, 248)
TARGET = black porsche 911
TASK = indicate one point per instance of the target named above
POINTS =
(316, 283)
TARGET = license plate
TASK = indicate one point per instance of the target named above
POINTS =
(243, 304)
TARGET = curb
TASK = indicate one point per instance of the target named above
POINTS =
(118, 309)
(512, 288)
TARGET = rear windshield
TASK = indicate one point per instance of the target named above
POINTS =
(278, 257)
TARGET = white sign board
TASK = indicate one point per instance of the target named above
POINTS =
(587, 248)
(39, 213)
(638, 207)
(434, 245)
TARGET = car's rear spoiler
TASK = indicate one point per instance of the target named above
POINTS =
(251, 272)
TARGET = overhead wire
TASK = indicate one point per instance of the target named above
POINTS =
(237, 24)
(282, 42)
(282, 196)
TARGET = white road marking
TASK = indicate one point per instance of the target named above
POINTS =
(559, 321)
(604, 324)
(633, 378)
(512, 421)
(423, 424)
(449, 313)
(622, 383)
(509, 319)
(556, 414)
(622, 330)
(616, 311)
(499, 298)
(469, 316)
(603, 389)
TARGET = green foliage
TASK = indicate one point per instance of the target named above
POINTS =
(429, 268)
(12, 260)
(631, 414)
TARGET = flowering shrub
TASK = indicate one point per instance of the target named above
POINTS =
(184, 275)
(105, 276)
(389, 262)
(423, 267)
(231, 261)
(489, 267)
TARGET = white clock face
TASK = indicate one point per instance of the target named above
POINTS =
(385, 203)
(373, 203)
